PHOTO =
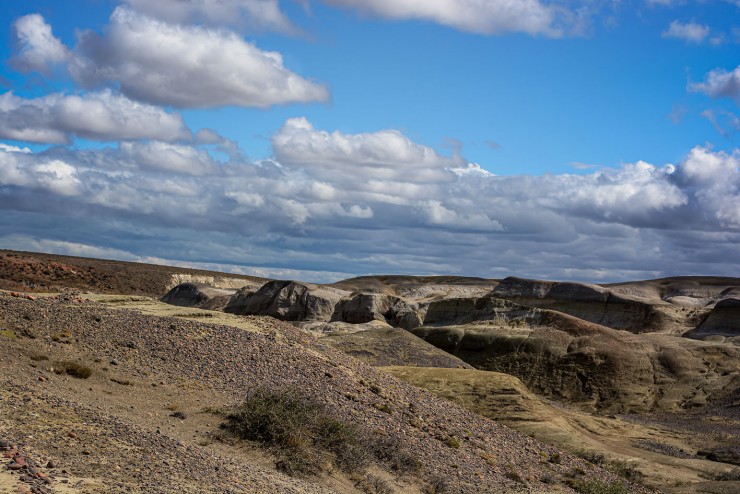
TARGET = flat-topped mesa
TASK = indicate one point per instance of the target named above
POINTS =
(289, 301)
(689, 291)
(589, 302)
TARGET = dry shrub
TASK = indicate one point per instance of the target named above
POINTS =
(73, 369)
(597, 487)
(307, 437)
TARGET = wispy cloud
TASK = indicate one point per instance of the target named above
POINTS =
(690, 32)
(720, 83)
(491, 17)
(255, 14)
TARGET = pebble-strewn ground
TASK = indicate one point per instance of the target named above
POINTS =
(113, 431)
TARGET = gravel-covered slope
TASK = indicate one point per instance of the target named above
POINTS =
(141, 364)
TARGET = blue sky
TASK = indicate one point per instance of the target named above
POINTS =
(588, 140)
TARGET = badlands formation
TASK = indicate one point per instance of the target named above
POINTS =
(479, 385)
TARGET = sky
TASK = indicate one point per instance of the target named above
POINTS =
(587, 140)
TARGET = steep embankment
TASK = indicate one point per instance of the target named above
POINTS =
(618, 310)
(569, 359)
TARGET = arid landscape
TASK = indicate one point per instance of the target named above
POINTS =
(127, 377)
(369, 247)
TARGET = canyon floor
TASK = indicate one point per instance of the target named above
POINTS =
(460, 384)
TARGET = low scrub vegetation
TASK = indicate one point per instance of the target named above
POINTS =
(729, 476)
(73, 369)
(626, 470)
(622, 468)
(597, 487)
(307, 437)
(593, 457)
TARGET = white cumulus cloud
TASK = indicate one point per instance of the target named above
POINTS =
(383, 155)
(164, 156)
(719, 83)
(102, 116)
(187, 66)
(36, 46)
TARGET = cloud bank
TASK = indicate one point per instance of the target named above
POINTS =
(379, 202)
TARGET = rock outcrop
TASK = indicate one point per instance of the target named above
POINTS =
(288, 301)
(198, 295)
(723, 320)
(364, 307)
(591, 303)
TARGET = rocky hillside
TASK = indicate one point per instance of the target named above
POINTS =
(36, 272)
(144, 415)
